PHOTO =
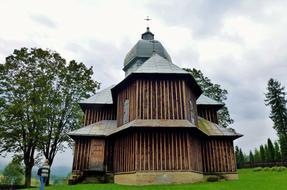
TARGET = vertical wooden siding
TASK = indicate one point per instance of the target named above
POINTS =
(95, 114)
(156, 99)
(109, 154)
(81, 154)
(89, 153)
(124, 151)
(208, 113)
(128, 93)
(218, 156)
(157, 150)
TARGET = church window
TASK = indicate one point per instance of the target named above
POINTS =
(126, 111)
(192, 112)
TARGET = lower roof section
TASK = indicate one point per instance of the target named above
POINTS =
(101, 128)
(155, 123)
(109, 127)
(212, 129)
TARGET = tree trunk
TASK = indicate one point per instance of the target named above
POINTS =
(28, 175)
(47, 183)
(51, 159)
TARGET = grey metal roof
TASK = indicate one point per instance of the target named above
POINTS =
(102, 97)
(109, 127)
(145, 49)
(101, 128)
(158, 64)
(204, 100)
(212, 129)
(155, 123)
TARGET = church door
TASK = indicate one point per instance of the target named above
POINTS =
(97, 154)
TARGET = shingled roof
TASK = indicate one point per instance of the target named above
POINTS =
(101, 128)
(102, 97)
(212, 129)
(109, 127)
(204, 101)
(158, 64)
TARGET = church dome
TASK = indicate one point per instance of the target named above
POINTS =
(142, 51)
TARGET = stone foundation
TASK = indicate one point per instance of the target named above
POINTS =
(153, 178)
(231, 176)
(149, 178)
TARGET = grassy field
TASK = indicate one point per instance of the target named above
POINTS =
(249, 180)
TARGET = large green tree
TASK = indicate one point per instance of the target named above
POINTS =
(262, 153)
(251, 158)
(270, 151)
(240, 158)
(214, 91)
(38, 103)
(277, 155)
(13, 172)
(275, 98)
(257, 157)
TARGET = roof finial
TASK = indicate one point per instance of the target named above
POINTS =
(147, 35)
(147, 19)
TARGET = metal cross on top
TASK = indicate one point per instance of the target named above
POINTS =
(147, 19)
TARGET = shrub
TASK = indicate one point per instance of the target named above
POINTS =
(275, 168)
(212, 178)
(281, 168)
(257, 169)
(267, 169)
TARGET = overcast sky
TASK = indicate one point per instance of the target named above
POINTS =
(238, 44)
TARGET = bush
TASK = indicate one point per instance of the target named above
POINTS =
(281, 168)
(212, 178)
(267, 169)
(274, 169)
(258, 169)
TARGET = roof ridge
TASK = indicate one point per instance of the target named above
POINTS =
(158, 64)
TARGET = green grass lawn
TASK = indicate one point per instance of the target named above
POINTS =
(249, 179)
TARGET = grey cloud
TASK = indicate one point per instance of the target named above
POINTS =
(202, 17)
(255, 133)
(187, 58)
(106, 59)
(44, 20)
(246, 81)
(7, 46)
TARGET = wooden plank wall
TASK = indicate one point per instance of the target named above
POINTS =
(81, 154)
(208, 113)
(109, 154)
(190, 96)
(124, 153)
(156, 99)
(95, 114)
(157, 150)
(127, 93)
(218, 156)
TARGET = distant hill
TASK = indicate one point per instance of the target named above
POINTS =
(57, 171)
(61, 171)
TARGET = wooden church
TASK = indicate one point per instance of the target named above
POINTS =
(153, 127)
